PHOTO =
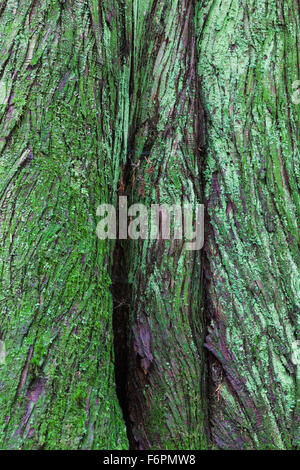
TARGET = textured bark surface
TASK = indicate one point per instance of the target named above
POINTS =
(248, 60)
(162, 101)
(167, 380)
(61, 136)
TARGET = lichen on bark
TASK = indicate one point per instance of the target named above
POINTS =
(248, 60)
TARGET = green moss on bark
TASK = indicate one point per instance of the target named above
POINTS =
(167, 372)
(248, 61)
(59, 160)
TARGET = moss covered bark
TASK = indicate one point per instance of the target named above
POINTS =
(248, 61)
(167, 374)
(164, 102)
(61, 134)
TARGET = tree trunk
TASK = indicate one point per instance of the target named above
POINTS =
(248, 62)
(166, 103)
(167, 374)
(61, 141)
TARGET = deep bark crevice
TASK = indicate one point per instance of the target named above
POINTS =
(121, 294)
(120, 289)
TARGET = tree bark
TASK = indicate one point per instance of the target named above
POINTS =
(164, 102)
(248, 61)
(61, 140)
(166, 372)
